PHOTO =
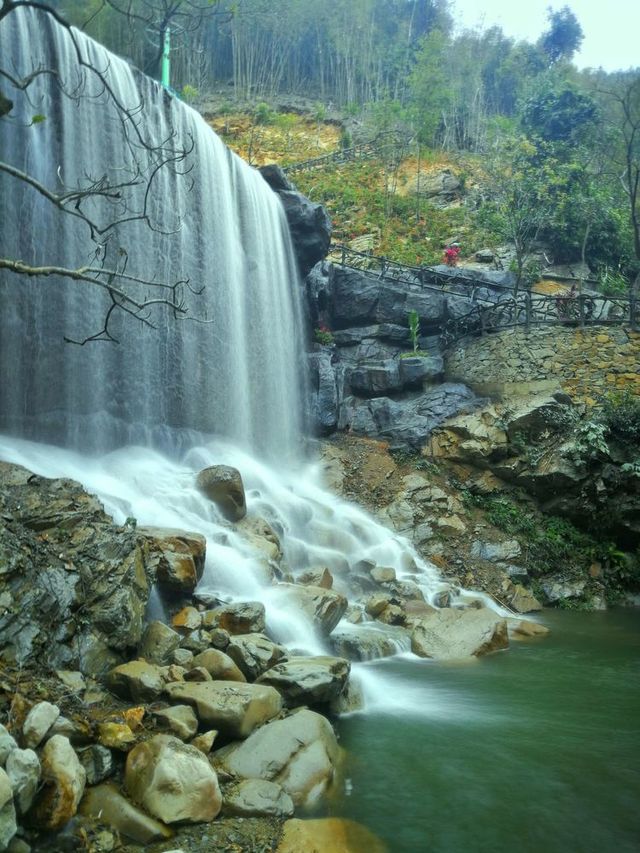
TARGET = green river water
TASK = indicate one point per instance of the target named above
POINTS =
(534, 749)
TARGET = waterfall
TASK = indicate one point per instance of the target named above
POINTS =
(233, 369)
(164, 402)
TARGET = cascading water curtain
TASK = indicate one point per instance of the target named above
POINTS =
(177, 217)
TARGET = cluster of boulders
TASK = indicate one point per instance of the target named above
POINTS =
(150, 725)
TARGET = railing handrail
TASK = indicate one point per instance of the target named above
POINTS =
(524, 309)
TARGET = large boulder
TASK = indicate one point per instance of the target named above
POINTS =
(328, 835)
(137, 680)
(219, 665)
(234, 709)
(324, 390)
(410, 420)
(23, 770)
(299, 753)
(63, 782)
(323, 608)
(75, 586)
(309, 223)
(457, 634)
(178, 556)
(254, 654)
(257, 798)
(244, 617)
(106, 804)
(223, 485)
(173, 781)
(8, 824)
(308, 680)
(365, 642)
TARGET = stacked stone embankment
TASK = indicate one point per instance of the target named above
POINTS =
(586, 363)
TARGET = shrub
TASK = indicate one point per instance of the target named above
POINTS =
(621, 413)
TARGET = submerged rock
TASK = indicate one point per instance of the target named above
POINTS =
(324, 608)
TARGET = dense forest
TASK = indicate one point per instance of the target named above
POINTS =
(560, 147)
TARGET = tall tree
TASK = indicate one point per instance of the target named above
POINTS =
(563, 37)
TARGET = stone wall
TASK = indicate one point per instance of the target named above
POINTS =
(586, 363)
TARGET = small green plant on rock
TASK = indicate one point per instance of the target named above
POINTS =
(414, 329)
(323, 335)
(621, 414)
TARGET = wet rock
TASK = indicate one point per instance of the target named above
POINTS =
(316, 577)
(159, 642)
(98, 763)
(137, 680)
(415, 371)
(186, 620)
(106, 803)
(526, 628)
(259, 533)
(8, 825)
(458, 634)
(39, 720)
(223, 485)
(299, 753)
(324, 608)
(234, 709)
(308, 680)
(173, 781)
(254, 654)
(363, 644)
(219, 665)
(245, 617)
(63, 779)
(23, 770)
(310, 229)
(520, 599)
(181, 719)
(178, 556)
(328, 835)
(256, 797)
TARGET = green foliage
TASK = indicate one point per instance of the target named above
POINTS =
(414, 329)
(564, 36)
(590, 441)
(263, 114)
(189, 93)
(612, 282)
(621, 414)
(323, 336)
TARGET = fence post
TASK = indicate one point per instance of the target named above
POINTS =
(482, 323)
(633, 304)
(581, 310)
(527, 310)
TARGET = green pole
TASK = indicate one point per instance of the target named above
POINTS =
(165, 58)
